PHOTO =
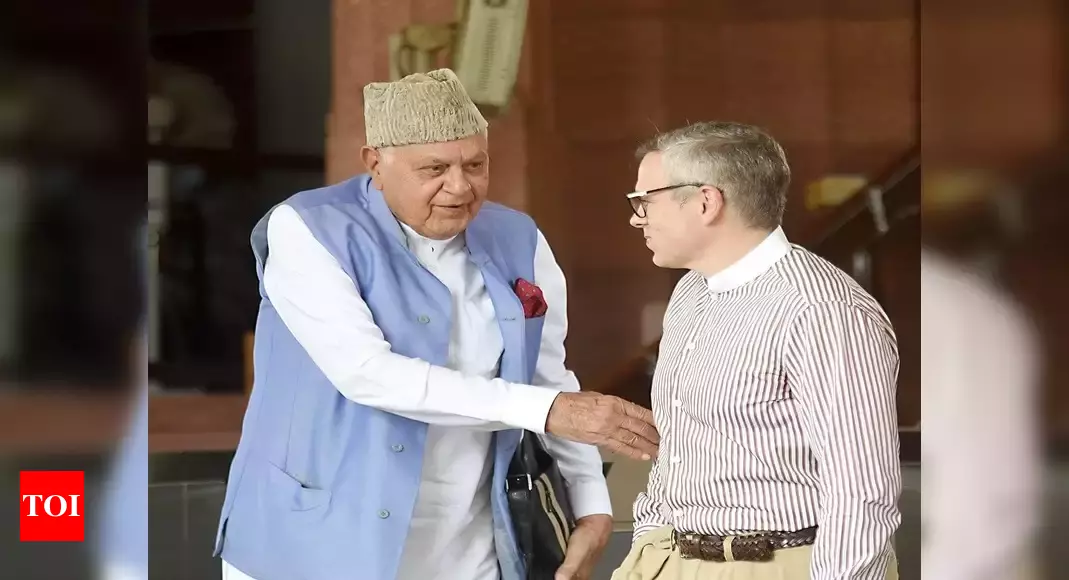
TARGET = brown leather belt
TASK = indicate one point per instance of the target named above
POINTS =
(748, 548)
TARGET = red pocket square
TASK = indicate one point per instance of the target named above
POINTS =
(534, 304)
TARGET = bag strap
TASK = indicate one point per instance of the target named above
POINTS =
(519, 484)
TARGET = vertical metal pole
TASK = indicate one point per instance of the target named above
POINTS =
(157, 223)
(13, 187)
(861, 269)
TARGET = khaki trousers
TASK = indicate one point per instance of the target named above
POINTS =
(652, 558)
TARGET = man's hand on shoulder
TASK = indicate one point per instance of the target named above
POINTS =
(585, 546)
(606, 421)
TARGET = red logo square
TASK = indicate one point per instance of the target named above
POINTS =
(53, 506)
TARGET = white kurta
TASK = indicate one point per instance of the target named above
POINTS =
(451, 534)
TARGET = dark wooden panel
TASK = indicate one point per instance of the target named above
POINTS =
(875, 83)
(190, 14)
(604, 311)
(58, 422)
(195, 422)
(897, 280)
(967, 118)
(836, 85)
(602, 10)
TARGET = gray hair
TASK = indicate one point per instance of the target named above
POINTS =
(743, 161)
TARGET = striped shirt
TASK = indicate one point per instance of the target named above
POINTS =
(774, 395)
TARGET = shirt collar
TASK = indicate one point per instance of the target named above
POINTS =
(417, 242)
(753, 264)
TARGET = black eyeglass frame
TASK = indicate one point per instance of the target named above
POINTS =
(636, 198)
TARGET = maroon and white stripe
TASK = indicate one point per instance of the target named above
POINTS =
(775, 402)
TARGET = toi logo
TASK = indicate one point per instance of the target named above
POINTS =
(52, 506)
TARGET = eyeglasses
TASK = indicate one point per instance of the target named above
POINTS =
(638, 198)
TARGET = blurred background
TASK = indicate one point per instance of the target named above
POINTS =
(266, 99)
(250, 101)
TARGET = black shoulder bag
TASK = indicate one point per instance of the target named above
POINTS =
(541, 512)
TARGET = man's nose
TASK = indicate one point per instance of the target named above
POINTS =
(456, 182)
(637, 222)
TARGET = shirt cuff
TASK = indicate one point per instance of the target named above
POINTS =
(590, 497)
(528, 407)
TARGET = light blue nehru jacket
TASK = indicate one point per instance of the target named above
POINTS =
(123, 530)
(321, 487)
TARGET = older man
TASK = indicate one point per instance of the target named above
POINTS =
(408, 331)
(774, 391)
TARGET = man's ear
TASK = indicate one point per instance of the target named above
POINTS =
(372, 161)
(712, 203)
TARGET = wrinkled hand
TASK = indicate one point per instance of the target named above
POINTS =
(588, 541)
(606, 421)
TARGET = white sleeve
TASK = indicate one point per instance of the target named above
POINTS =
(980, 371)
(580, 464)
(323, 309)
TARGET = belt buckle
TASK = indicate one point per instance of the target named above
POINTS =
(694, 546)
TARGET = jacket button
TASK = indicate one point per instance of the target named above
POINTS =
(424, 319)
(397, 447)
(384, 514)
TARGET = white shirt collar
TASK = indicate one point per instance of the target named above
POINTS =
(752, 265)
(420, 244)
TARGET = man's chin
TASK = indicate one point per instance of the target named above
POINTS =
(669, 262)
(445, 229)
(660, 261)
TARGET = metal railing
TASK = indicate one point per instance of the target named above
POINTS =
(868, 216)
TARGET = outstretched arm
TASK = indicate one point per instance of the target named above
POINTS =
(322, 307)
